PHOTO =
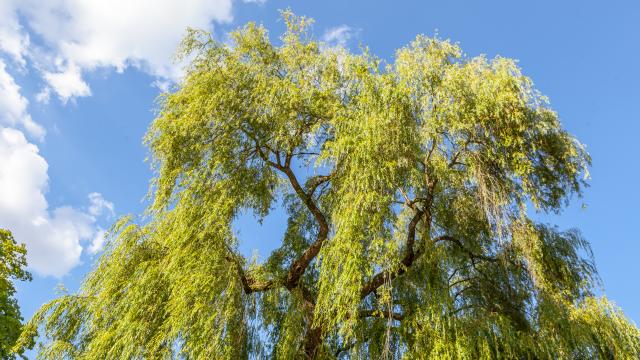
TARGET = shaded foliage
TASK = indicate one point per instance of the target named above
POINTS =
(13, 262)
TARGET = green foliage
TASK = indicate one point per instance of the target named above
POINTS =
(13, 262)
(406, 185)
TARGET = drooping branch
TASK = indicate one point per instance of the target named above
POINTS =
(459, 243)
(249, 284)
(375, 313)
(344, 348)
(411, 256)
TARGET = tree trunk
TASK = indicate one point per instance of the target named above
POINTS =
(312, 342)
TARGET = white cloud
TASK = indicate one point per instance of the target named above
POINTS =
(82, 35)
(13, 40)
(66, 40)
(338, 36)
(67, 84)
(54, 238)
(13, 106)
(43, 96)
(98, 205)
(98, 241)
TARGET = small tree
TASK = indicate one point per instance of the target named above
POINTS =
(12, 264)
(407, 187)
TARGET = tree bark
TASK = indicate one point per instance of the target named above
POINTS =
(312, 342)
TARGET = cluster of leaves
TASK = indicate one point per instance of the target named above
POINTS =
(406, 185)
(12, 264)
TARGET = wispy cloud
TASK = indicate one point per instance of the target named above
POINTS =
(339, 36)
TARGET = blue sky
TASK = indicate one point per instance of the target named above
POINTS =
(78, 81)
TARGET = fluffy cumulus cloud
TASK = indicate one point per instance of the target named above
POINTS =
(55, 238)
(63, 40)
(82, 35)
(67, 84)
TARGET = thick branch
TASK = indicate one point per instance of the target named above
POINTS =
(312, 342)
(299, 266)
(410, 256)
(313, 335)
(316, 181)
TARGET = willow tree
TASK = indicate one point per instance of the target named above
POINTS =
(408, 186)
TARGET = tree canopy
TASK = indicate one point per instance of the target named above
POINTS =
(409, 188)
(12, 267)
